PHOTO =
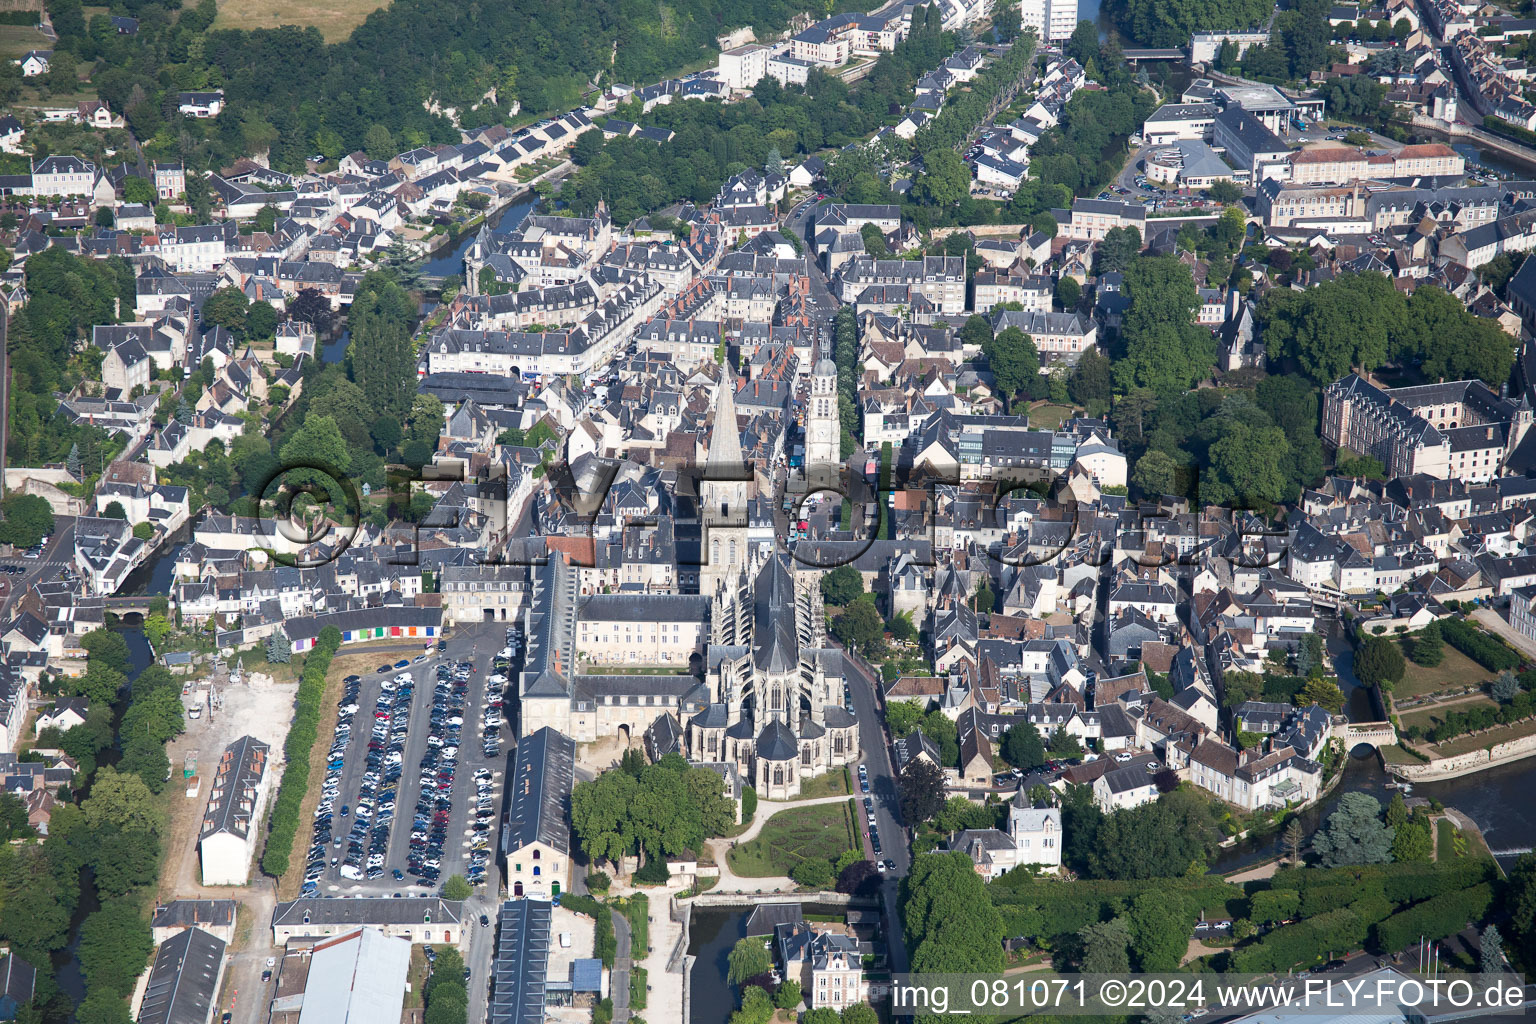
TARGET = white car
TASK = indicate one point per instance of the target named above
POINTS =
(1122, 757)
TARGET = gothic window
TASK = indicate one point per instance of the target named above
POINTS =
(778, 699)
(733, 553)
(837, 743)
(805, 755)
(778, 776)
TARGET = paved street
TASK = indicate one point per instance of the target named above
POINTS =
(59, 554)
(882, 785)
(618, 988)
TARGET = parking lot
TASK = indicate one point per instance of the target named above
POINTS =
(412, 790)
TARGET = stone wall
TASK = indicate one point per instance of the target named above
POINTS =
(1465, 764)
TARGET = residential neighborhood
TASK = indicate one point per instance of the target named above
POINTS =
(717, 528)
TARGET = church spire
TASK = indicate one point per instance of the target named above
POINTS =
(725, 442)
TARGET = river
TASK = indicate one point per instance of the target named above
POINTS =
(66, 963)
(1496, 799)
(711, 934)
(450, 258)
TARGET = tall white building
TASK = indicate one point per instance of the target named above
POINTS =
(1052, 20)
(822, 434)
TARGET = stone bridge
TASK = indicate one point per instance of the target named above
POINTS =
(1373, 734)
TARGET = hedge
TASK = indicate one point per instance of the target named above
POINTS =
(1302, 944)
(297, 749)
(1499, 126)
(604, 945)
(1049, 909)
(1434, 919)
(638, 910)
(1488, 651)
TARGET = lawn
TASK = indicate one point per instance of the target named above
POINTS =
(1454, 671)
(1445, 840)
(790, 837)
(1479, 741)
(416, 978)
(834, 783)
(1048, 416)
(16, 40)
(334, 18)
(1399, 755)
(1429, 717)
(638, 910)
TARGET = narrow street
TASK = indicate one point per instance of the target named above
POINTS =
(882, 785)
(618, 986)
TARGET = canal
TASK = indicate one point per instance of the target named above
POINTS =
(450, 258)
(66, 962)
(711, 934)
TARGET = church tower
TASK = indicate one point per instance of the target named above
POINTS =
(723, 493)
(823, 434)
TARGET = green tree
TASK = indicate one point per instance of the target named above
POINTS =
(1106, 947)
(1429, 646)
(1014, 360)
(279, 647)
(1005, 19)
(1118, 248)
(266, 219)
(1064, 744)
(1161, 923)
(951, 925)
(1068, 292)
(976, 332)
(1379, 662)
(226, 308)
(25, 519)
(1022, 746)
(944, 181)
(859, 626)
(261, 320)
(1162, 839)
(1091, 378)
(106, 648)
(1156, 474)
(813, 873)
(1165, 350)
(841, 586)
(378, 142)
(1323, 692)
(920, 790)
(747, 959)
(874, 241)
(380, 355)
(1491, 950)
(457, 888)
(1249, 467)
(788, 995)
(139, 191)
(1412, 842)
(1224, 192)
(1354, 833)
(114, 948)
